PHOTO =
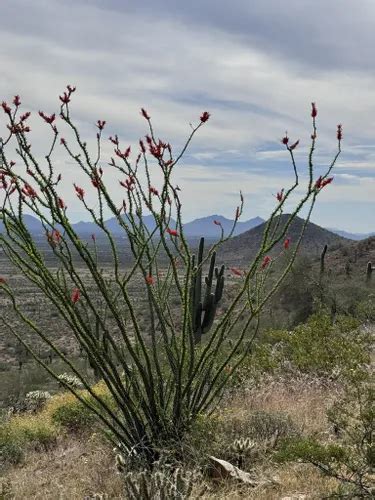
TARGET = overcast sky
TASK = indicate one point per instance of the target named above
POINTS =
(255, 65)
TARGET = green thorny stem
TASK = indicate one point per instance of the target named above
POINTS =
(158, 377)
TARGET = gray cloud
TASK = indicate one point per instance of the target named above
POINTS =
(255, 66)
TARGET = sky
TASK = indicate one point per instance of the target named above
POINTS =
(256, 66)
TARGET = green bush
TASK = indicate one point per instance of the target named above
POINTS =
(319, 348)
(23, 432)
(73, 415)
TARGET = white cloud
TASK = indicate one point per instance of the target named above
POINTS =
(255, 69)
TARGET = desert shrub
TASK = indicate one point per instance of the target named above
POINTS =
(23, 432)
(68, 411)
(349, 455)
(36, 400)
(241, 439)
(318, 347)
(70, 380)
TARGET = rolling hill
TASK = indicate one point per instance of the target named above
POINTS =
(242, 248)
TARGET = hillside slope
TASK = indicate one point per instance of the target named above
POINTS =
(242, 248)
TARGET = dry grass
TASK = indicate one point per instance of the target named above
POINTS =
(77, 467)
(305, 401)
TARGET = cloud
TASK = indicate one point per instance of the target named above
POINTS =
(256, 66)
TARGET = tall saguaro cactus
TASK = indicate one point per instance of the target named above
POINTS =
(203, 308)
(369, 270)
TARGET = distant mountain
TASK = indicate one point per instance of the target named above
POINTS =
(196, 228)
(243, 248)
(351, 236)
(206, 226)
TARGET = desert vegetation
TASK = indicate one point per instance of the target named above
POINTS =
(153, 366)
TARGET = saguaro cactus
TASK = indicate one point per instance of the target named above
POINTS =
(203, 309)
(322, 260)
(369, 270)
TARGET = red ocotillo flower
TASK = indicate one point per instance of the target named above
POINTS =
(71, 89)
(266, 261)
(320, 182)
(287, 243)
(114, 140)
(314, 111)
(123, 155)
(63, 141)
(280, 196)
(76, 295)
(204, 116)
(145, 114)
(293, 146)
(48, 119)
(17, 101)
(101, 124)
(149, 280)
(217, 222)
(7, 109)
(65, 98)
(80, 192)
(61, 203)
(285, 139)
(93, 237)
(2, 281)
(142, 146)
(339, 132)
(56, 236)
(25, 116)
(29, 191)
(154, 191)
(172, 232)
(236, 271)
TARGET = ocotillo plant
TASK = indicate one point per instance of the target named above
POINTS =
(159, 378)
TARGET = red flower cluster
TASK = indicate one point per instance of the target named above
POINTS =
(339, 132)
(27, 190)
(280, 196)
(293, 146)
(287, 243)
(80, 192)
(314, 111)
(217, 222)
(65, 98)
(320, 182)
(236, 271)
(101, 124)
(154, 191)
(76, 295)
(123, 155)
(48, 119)
(17, 101)
(61, 203)
(145, 114)
(266, 261)
(205, 116)
(128, 183)
(7, 109)
(96, 177)
(114, 140)
(172, 232)
(54, 237)
(2, 281)
(149, 280)
(25, 116)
